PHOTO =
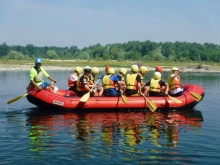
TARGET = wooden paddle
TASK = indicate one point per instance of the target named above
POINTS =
(151, 105)
(86, 96)
(175, 99)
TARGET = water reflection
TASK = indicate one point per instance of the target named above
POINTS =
(128, 129)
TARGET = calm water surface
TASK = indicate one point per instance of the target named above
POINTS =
(30, 135)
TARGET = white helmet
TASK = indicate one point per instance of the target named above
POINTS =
(123, 70)
(95, 70)
(143, 69)
(134, 68)
(174, 69)
(78, 69)
(157, 76)
(111, 71)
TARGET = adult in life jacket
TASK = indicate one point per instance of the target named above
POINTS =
(36, 77)
(106, 68)
(97, 88)
(160, 69)
(174, 82)
(155, 85)
(82, 85)
(73, 78)
(121, 77)
(143, 71)
(133, 82)
(109, 83)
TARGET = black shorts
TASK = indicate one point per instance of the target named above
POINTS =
(81, 93)
(151, 93)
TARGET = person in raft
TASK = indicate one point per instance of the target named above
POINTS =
(36, 77)
(158, 69)
(155, 85)
(143, 71)
(97, 88)
(109, 83)
(174, 82)
(73, 78)
(106, 69)
(133, 82)
(121, 77)
(82, 85)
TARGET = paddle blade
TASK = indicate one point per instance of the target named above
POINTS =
(17, 98)
(124, 98)
(85, 97)
(151, 105)
(174, 99)
(196, 96)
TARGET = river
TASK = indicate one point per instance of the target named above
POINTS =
(30, 135)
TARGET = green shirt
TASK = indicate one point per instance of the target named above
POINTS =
(36, 74)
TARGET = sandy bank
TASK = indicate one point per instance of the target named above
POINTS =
(5, 67)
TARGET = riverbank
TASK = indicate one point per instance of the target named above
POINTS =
(14, 67)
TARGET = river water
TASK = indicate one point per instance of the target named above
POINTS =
(30, 135)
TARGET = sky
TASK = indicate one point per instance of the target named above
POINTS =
(84, 23)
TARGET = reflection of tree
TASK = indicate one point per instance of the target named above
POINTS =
(111, 128)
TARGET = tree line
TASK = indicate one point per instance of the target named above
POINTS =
(132, 50)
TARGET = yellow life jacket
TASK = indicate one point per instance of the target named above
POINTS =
(142, 78)
(131, 82)
(174, 83)
(154, 85)
(107, 82)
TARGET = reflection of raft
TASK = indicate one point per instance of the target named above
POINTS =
(62, 101)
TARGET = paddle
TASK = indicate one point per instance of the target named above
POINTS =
(21, 96)
(17, 98)
(151, 105)
(174, 99)
(124, 98)
(86, 96)
(195, 95)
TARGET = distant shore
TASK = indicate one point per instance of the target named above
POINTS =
(7, 67)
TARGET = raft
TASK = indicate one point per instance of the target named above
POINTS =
(67, 100)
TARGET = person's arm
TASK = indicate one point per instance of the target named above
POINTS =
(84, 81)
(47, 75)
(35, 84)
(138, 79)
(166, 88)
(33, 74)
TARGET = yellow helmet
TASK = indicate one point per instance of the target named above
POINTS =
(111, 71)
(143, 69)
(123, 70)
(134, 68)
(78, 69)
(95, 70)
(157, 76)
(173, 69)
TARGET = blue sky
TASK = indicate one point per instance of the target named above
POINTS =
(87, 22)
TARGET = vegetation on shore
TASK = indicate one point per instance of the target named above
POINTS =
(131, 51)
(181, 54)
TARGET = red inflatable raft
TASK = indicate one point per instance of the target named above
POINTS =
(67, 100)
